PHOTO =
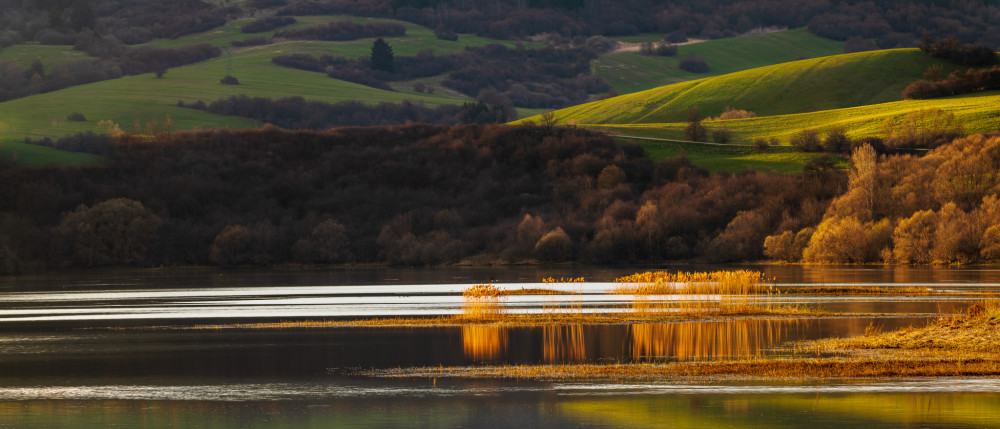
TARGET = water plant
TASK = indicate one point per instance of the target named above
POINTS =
(728, 292)
(483, 302)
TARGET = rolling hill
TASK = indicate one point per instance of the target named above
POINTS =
(629, 72)
(825, 83)
(858, 92)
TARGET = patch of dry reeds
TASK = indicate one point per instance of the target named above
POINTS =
(483, 302)
(725, 292)
(563, 280)
(861, 290)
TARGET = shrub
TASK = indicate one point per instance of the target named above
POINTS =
(554, 246)
(268, 23)
(659, 49)
(722, 135)
(730, 113)
(913, 238)
(806, 140)
(665, 50)
(445, 33)
(113, 232)
(695, 131)
(787, 246)
(77, 117)
(345, 30)
(230, 80)
(953, 50)
(328, 243)
(924, 128)
(958, 82)
(760, 144)
(836, 140)
(676, 36)
(848, 240)
(255, 41)
(610, 177)
(875, 142)
(694, 64)
(241, 245)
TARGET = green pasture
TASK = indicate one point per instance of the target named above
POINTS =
(49, 55)
(800, 86)
(977, 113)
(417, 37)
(629, 72)
(724, 159)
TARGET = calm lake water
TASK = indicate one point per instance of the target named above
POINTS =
(70, 356)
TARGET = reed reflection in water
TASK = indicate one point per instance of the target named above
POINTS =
(563, 344)
(484, 342)
(709, 340)
(639, 342)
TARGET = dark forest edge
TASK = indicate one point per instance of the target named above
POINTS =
(296, 113)
(483, 194)
(532, 78)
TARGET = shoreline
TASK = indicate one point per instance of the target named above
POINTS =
(960, 345)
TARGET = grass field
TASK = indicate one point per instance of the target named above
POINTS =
(629, 72)
(978, 113)
(728, 159)
(49, 55)
(417, 37)
(145, 98)
(799, 86)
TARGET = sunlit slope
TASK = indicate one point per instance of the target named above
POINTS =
(800, 86)
(629, 72)
(977, 113)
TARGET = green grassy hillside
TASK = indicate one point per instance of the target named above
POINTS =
(978, 113)
(145, 98)
(629, 72)
(48, 55)
(799, 86)
(727, 159)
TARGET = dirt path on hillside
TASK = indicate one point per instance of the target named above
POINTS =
(634, 47)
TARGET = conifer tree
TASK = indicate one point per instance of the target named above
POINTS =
(382, 58)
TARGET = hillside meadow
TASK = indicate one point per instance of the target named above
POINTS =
(977, 113)
(146, 99)
(812, 85)
(629, 72)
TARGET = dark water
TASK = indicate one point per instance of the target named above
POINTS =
(71, 358)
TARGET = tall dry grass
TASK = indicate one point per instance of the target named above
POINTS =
(483, 302)
(739, 291)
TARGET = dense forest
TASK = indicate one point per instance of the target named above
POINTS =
(296, 113)
(415, 194)
(890, 24)
(422, 194)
